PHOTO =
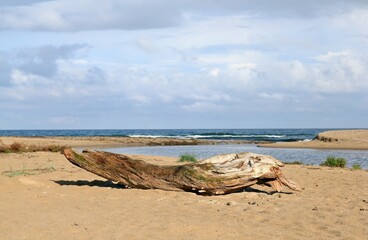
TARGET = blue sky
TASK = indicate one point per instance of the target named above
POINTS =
(68, 64)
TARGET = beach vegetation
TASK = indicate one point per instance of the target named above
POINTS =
(187, 158)
(18, 147)
(15, 147)
(332, 161)
(27, 172)
(294, 163)
(356, 166)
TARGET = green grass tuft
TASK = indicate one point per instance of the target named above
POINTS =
(332, 161)
(187, 158)
(356, 166)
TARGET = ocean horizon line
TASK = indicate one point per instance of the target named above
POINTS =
(247, 134)
(257, 128)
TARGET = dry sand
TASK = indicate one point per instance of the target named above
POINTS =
(66, 202)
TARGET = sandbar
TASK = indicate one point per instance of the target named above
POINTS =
(340, 139)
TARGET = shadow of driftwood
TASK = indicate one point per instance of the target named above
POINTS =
(255, 190)
(110, 184)
(94, 183)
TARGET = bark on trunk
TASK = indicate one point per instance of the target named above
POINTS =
(221, 174)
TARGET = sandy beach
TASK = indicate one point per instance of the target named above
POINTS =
(43, 196)
(342, 139)
(102, 141)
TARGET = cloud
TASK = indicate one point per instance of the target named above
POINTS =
(4, 70)
(95, 75)
(203, 107)
(214, 72)
(20, 78)
(341, 72)
(20, 2)
(46, 73)
(146, 44)
(79, 15)
(34, 64)
(330, 56)
(70, 62)
(272, 96)
(42, 60)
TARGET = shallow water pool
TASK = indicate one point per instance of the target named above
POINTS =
(307, 156)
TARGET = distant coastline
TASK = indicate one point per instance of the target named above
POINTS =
(242, 135)
(304, 138)
(338, 139)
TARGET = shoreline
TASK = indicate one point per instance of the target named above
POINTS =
(340, 139)
(117, 142)
(108, 142)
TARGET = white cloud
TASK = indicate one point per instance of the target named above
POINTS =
(215, 57)
(139, 99)
(272, 96)
(147, 44)
(341, 72)
(203, 107)
(331, 56)
(78, 15)
(214, 72)
(54, 93)
(19, 78)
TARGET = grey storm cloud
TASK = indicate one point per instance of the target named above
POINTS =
(78, 15)
(42, 60)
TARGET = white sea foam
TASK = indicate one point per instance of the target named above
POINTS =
(208, 136)
(236, 136)
(305, 140)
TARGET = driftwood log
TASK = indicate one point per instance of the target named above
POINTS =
(221, 174)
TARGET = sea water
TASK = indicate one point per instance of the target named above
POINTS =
(306, 156)
(277, 135)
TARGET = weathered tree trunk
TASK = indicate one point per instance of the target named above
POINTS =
(217, 175)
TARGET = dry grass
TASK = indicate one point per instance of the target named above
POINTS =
(27, 172)
(18, 147)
